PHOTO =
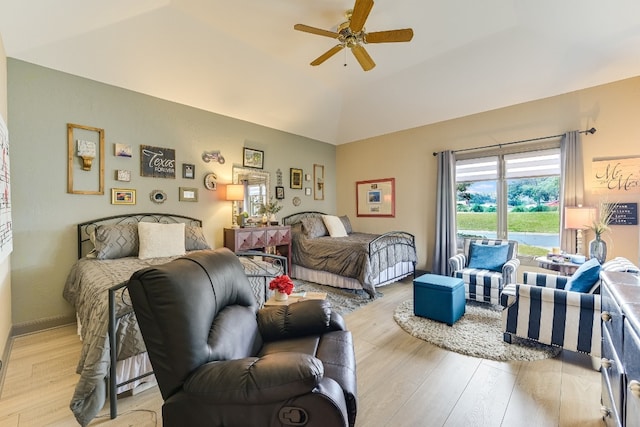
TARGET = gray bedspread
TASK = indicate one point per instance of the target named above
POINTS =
(353, 256)
(86, 289)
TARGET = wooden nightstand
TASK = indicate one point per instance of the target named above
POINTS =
(260, 238)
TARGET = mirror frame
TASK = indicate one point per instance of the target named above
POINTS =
(239, 171)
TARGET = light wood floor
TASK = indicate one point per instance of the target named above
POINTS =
(402, 381)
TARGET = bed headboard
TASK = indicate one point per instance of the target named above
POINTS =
(86, 228)
(297, 217)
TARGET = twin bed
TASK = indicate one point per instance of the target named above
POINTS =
(113, 357)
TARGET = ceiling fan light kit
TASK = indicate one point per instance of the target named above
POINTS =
(352, 34)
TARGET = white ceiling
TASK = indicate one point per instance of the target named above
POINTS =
(243, 59)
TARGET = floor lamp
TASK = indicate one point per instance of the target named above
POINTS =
(235, 194)
(578, 218)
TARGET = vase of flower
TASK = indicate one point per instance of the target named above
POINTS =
(283, 286)
(598, 249)
(281, 296)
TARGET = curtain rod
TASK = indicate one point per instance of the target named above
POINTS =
(589, 131)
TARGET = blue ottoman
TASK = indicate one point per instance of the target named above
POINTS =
(439, 298)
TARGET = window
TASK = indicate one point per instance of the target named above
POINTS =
(511, 196)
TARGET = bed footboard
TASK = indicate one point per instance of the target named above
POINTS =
(393, 247)
(259, 271)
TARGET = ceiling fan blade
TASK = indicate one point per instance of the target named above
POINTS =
(360, 14)
(363, 57)
(328, 54)
(314, 30)
(391, 36)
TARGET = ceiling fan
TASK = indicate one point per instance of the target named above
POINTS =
(352, 34)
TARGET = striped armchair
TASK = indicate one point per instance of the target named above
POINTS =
(482, 284)
(542, 310)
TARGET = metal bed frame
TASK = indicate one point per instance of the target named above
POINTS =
(85, 230)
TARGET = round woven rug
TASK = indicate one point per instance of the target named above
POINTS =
(478, 333)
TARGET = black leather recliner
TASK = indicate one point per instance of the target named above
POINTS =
(220, 361)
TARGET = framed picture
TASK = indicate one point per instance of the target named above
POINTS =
(296, 178)
(188, 194)
(188, 171)
(123, 175)
(85, 159)
(252, 158)
(279, 193)
(122, 150)
(123, 196)
(307, 191)
(376, 198)
(158, 196)
(318, 182)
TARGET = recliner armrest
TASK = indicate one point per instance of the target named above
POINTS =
(311, 317)
(272, 378)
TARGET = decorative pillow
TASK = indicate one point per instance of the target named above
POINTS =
(194, 238)
(620, 264)
(585, 278)
(334, 225)
(346, 223)
(160, 240)
(488, 257)
(314, 227)
(116, 241)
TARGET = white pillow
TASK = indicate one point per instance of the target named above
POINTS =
(160, 240)
(334, 225)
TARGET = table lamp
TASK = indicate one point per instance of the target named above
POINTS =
(235, 193)
(578, 218)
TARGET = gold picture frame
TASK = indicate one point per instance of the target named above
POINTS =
(376, 198)
(295, 178)
(82, 176)
(123, 196)
(318, 182)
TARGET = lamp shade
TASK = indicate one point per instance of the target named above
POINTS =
(578, 218)
(235, 192)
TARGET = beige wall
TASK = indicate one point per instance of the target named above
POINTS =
(41, 102)
(612, 109)
(5, 266)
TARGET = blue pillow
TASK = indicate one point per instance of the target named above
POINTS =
(488, 257)
(585, 277)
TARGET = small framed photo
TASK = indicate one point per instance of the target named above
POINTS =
(122, 150)
(252, 158)
(188, 171)
(158, 196)
(307, 177)
(279, 193)
(307, 191)
(123, 196)
(296, 178)
(123, 175)
(188, 194)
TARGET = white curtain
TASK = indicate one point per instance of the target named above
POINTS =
(445, 244)
(571, 185)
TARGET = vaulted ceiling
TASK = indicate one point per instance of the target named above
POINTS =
(243, 59)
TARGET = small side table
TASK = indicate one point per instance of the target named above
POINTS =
(566, 268)
(309, 295)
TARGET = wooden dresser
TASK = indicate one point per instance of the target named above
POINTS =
(621, 349)
(260, 238)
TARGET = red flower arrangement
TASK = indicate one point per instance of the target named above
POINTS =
(282, 284)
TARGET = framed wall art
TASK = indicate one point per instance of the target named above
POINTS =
(123, 196)
(295, 179)
(123, 175)
(279, 192)
(376, 198)
(252, 158)
(318, 182)
(157, 162)
(188, 194)
(188, 171)
(122, 150)
(85, 159)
